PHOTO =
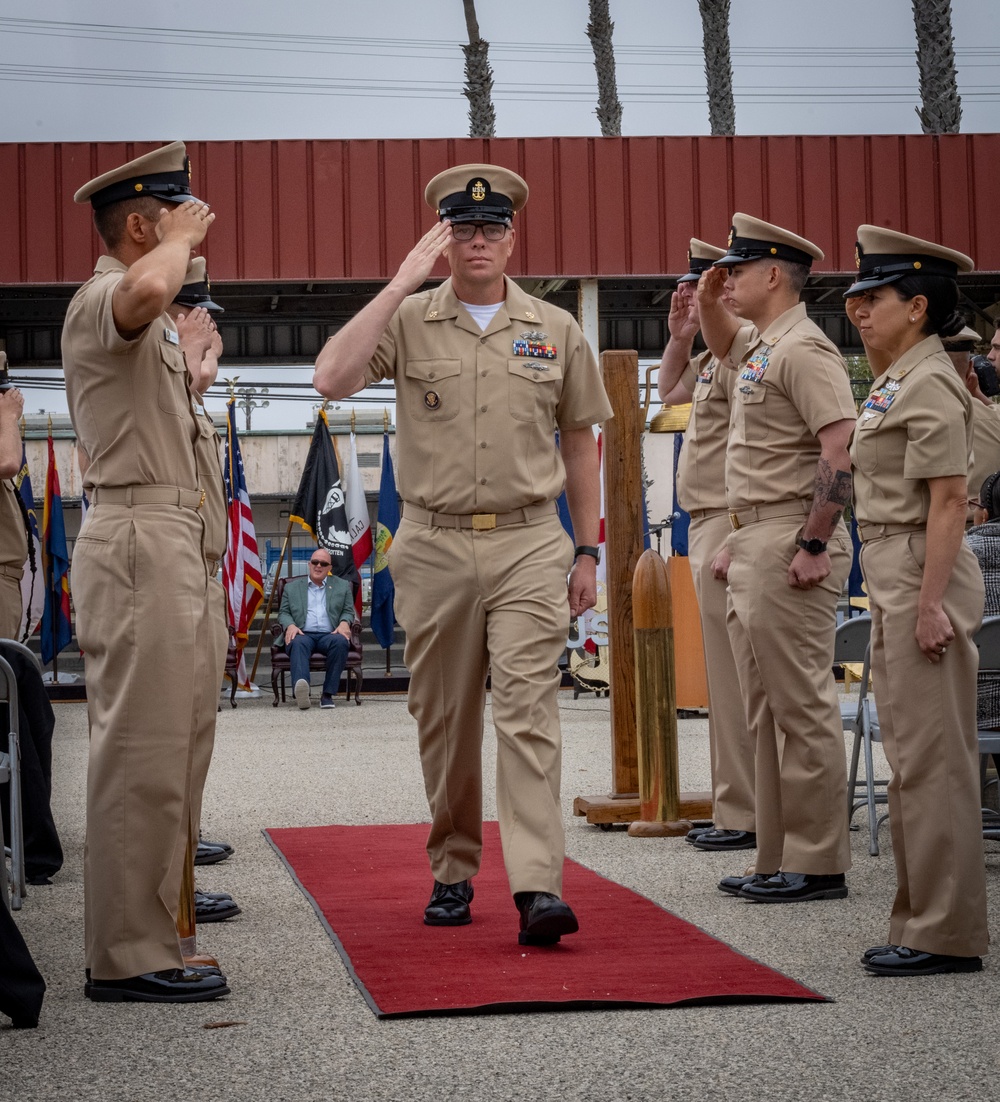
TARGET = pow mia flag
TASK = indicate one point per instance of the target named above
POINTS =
(319, 505)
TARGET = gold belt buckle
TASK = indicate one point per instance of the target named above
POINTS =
(734, 520)
(202, 502)
(484, 522)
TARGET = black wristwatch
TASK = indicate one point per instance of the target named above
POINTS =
(583, 549)
(812, 547)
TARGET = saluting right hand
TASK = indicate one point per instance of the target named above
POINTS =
(419, 263)
(711, 286)
(187, 221)
(12, 404)
(682, 321)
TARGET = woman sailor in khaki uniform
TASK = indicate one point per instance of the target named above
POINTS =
(910, 452)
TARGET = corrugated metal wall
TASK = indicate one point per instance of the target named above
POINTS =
(350, 210)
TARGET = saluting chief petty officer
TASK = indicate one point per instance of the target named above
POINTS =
(140, 575)
(787, 482)
(484, 376)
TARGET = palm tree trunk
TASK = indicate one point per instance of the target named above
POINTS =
(718, 65)
(599, 31)
(941, 110)
(478, 78)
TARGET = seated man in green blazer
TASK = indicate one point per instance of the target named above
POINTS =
(317, 614)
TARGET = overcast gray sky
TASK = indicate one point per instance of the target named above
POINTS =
(241, 69)
(78, 70)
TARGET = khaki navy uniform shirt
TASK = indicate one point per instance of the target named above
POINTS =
(13, 540)
(915, 425)
(477, 410)
(129, 400)
(701, 473)
(209, 464)
(790, 382)
(985, 445)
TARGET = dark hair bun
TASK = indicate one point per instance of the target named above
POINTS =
(989, 495)
(953, 324)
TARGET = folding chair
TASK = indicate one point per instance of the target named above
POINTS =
(10, 773)
(852, 643)
(987, 639)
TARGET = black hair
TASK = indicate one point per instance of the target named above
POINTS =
(110, 221)
(941, 292)
(797, 274)
(989, 495)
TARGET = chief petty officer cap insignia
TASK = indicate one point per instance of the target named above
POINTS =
(477, 193)
(885, 256)
(752, 239)
(701, 255)
(197, 289)
(164, 174)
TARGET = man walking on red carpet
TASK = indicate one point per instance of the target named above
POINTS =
(485, 376)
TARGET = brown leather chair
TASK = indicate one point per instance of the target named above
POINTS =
(280, 663)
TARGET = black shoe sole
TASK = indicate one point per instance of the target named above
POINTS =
(464, 921)
(700, 843)
(973, 965)
(548, 930)
(819, 894)
(123, 995)
(212, 858)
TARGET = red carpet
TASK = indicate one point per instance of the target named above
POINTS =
(369, 884)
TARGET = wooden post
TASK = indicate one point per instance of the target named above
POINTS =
(656, 703)
(622, 547)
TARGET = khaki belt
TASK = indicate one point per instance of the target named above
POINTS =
(12, 571)
(147, 495)
(479, 522)
(868, 532)
(740, 518)
(707, 514)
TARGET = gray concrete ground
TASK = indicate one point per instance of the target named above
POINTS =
(306, 1033)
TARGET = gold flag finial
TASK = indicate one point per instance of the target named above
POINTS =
(354, 419)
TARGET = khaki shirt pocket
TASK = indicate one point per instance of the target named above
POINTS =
(433, 389)
(702, 390)
(865, 449)
(172, 392)
(751, 410)
(535, 386)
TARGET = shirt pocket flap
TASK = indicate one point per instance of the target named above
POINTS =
(432, 371)
(537, 371)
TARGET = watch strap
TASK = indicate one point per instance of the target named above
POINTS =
(585, 549)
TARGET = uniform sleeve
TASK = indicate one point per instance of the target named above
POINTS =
(383, 364)
(815, 378)
(99, 306)
(938, 429)
(746, 335)
(583, 400)
(689, 376)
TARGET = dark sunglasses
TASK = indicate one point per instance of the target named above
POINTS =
(320, 562)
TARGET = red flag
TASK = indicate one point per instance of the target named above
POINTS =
(241, 576)
(358, 522)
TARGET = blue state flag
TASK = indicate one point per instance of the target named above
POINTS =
(383, 591)
(56, 627)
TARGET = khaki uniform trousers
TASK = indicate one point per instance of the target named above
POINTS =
(10, 603)
(782, 641)
(927, 713)
(210, 673)
(731, 748)
(140, 580)
(472, 602)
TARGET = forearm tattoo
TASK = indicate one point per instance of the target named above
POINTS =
(833, 487)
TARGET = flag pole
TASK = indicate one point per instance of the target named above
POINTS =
(52, 598)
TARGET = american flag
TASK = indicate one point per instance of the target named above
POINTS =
(241, 575)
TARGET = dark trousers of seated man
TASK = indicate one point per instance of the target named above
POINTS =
(332, 645)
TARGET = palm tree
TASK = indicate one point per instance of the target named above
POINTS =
(941, 112)
(478, 78)
(718, 65)
(599, 31)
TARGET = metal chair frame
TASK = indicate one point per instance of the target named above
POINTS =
(852, 643)
(987, 639)
(10, 773)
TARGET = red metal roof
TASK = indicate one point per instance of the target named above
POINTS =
(350, 210)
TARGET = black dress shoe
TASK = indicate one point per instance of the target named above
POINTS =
(796, 887)
(698, 831)
(210, 909)
(211, 853)
(900, 961)
(221, 845)
(544, 918)
(877, 951)
(726, 839)
(176, 985)
(449, 904)
(735, 884)
(213, 895)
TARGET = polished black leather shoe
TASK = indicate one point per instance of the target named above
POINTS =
(698, 831)
(735, 884)
(796, 887)
(211, 907)
(176, 985)
(211, 853)
(900, 961)
(220, 845)
(544, 918)
(449, 904)
(877, 951)
(726, 839)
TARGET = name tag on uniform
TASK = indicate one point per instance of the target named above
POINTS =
(171, 336)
